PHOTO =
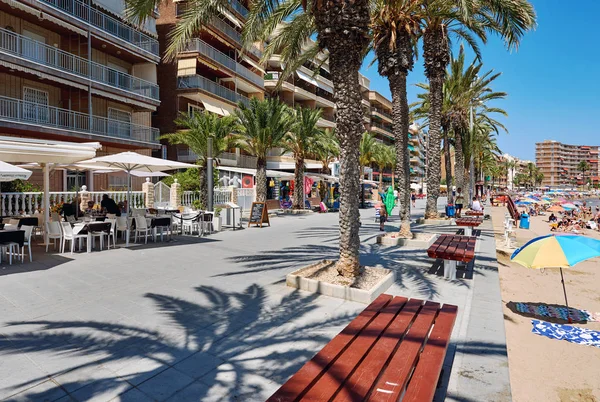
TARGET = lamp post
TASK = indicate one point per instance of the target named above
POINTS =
(209, 172)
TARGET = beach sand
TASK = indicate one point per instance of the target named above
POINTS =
(543, 369)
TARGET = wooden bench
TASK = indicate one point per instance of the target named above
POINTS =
(474, 213)
(469, 223)
(452, 248)
(395, 347)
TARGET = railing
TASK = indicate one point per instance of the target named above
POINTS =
(200, 82)
(227, 29)
(43, 54)
(220, 196)
(204, 48)
(186, 154)
(20, 111)
(381, 126)
(389, 116)
(243, 161)
(237, 6)
(106, 23)
(31, 202)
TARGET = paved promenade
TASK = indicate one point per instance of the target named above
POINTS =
(211, 319)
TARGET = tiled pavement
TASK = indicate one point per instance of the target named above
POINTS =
(211, 319)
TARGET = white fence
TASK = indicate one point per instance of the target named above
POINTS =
(29, 203)
(245, 198)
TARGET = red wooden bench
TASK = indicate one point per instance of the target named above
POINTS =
(474, 213)
(395, 347)
(452, 248)
(469, 223)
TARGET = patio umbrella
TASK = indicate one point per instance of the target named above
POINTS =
(10, 172)
(552, 251)
(129, 161)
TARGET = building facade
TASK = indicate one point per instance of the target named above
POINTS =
(559, 163)
(76, 71)
(212, 73)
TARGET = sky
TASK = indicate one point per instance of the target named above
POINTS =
(552, 80)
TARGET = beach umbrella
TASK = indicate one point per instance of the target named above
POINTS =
(390, 200)
(557, 251)
(556, 208)
(568, 205)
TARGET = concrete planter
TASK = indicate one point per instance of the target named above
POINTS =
(419, 240)
(217, 223)
(338, 291)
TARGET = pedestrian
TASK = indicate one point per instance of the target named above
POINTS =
(382, 217)
(460, 201)
(413, 198)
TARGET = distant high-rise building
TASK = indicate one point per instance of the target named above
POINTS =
(559, 163)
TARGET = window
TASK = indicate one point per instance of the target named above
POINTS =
(119, 123)
(75, 180)
(35, 105)
(194, 109)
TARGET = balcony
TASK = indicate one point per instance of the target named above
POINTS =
(49, 56)
(100, 20)
(42, 116)
(197, 45)
(381, 114)
(227, 29)
(387, 129)
(239, 8)
(200, 82)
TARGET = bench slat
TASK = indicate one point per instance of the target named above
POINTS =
(329, 383)
(294, 388)
(362, 380)
(432, 358)
(393, 381)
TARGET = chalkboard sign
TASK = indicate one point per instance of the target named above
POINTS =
(259, 214)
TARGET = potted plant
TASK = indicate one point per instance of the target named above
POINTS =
(217, 219)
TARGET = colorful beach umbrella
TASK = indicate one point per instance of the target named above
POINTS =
(557, 251)
(556, 208)
(568, 205)
(390, 200)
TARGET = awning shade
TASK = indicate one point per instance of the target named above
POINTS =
(10, 172)
(14, 149)
(216, 106)
(307, 78)
(270, 173)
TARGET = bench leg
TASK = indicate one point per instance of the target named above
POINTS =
(450, 269)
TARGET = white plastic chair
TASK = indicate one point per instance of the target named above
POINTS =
(111, 216)
(111, 232)
(72, 234)
(121, 225)
(141, 227)
(207, 222)
(54, 232)
(27, 243)
(55, 217)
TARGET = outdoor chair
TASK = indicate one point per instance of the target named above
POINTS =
(55, 217)
(121, 225)
(10, 248)
(191, 223)
(54, 232)
(27, 243)
(207, 223)
(111, 216)
(71, 234)
(111, 232)
(100, 235)
(141, 227)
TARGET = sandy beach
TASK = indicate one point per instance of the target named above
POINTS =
(543, 369)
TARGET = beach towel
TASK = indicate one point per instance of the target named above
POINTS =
(544, 310)
(567, 333)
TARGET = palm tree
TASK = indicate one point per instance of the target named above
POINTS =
(301, 141)
(341, 28)
(367, 149)
(510, 167)
(395, 27)
(583, 167)
(384, 157)
(327, 149)
(508, 18)
(263, 126)
(196, 129)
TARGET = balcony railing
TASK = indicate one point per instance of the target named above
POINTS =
(40, 53)
(200, 82)
(106, 23)
(204, 48)
(227, 29)
(237, 6)
(19, 111)
(382, 127)
(374, 109)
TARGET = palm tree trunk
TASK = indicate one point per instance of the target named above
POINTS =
(459, 160)
(299, 184)
(261, 179)
(434, 171)
(400, 127)
(380, 180)
(448, 167)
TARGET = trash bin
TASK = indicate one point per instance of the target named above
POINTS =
(449, 210)
(524, 223)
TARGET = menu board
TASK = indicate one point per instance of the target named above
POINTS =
(259, 214)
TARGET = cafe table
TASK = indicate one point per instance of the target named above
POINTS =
(94, 227)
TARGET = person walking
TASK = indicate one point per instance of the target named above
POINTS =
(460, 201)
(413, 199)
(382, 217)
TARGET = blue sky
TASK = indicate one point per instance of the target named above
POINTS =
(552, 82)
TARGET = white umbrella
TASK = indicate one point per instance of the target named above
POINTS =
(129, 161)
(10, 172)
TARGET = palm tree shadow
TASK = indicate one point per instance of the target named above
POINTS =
(242, 335)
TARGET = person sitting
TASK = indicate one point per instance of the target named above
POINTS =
(109, 205)
(476, 205)
(90, 207)
(552, 218)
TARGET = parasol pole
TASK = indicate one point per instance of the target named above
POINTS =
(128, 209)
(562, 279)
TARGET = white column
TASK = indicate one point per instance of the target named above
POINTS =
(46, 168)
(91, 180)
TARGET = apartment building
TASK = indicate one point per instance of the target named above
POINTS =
(76, 71)
(212, 73)
(379, 113)
(559, 163)
(417, 146)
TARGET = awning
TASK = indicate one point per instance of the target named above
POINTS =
(324, 86)
(123, 99)
(253, 64)
(44, 16)
(15, 149)
(270, 173)
(292, 165)
(41, 75)
(307, 78)
(216, 106)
